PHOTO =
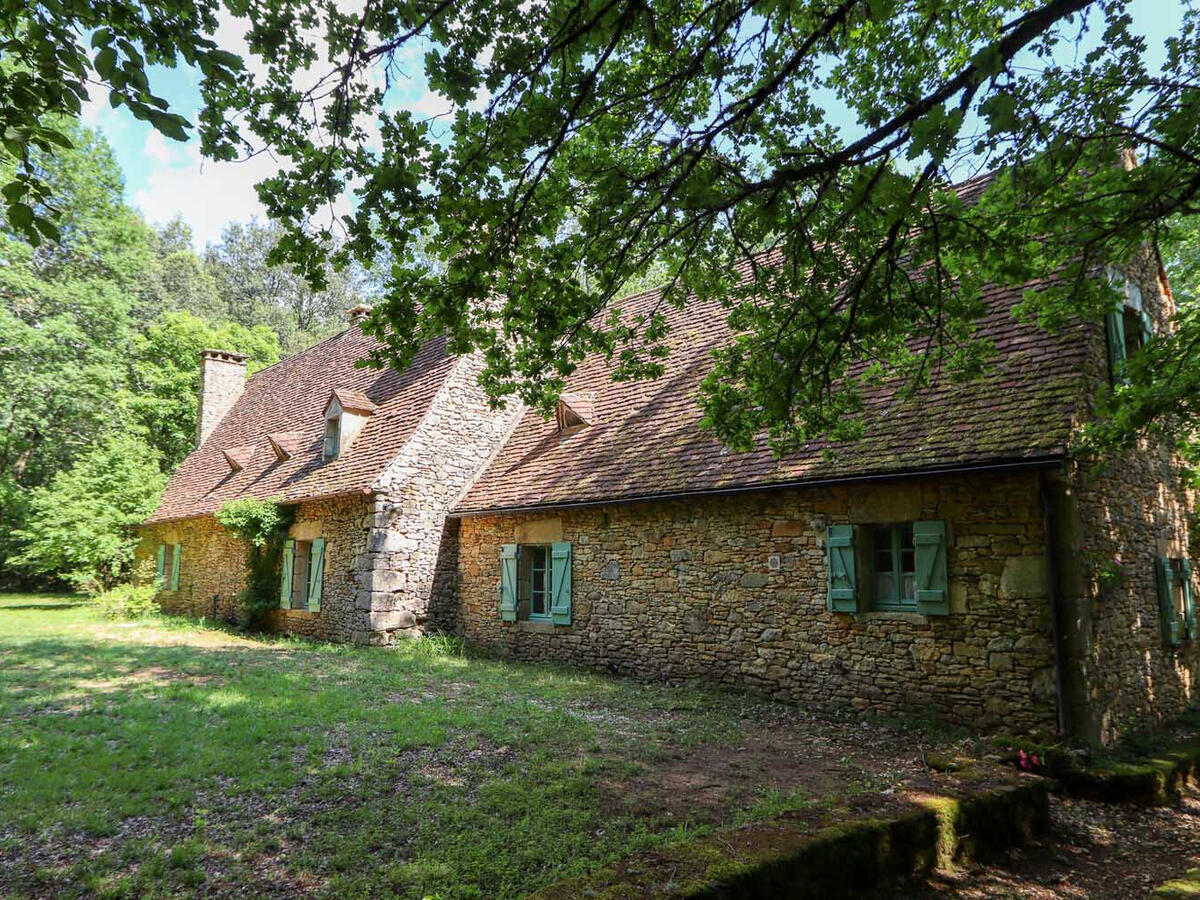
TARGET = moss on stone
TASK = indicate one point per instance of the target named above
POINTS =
(845, 859)
(1178, 888)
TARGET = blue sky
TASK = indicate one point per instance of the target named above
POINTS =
(165, 178)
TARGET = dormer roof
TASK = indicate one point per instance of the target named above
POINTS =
(285, 443)
(239, 457)
(351, 401)
(576, 409)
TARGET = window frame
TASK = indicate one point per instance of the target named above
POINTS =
(299, 598)
(526, 581)
(895, 532)
(333, 437)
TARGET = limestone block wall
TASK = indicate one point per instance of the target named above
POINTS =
(408, 546)
(213, 564)
(733, 590)
(1133, 509)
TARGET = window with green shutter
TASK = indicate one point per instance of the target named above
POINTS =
(904, 567)
(535, 582)
(285, 578)
(1128, 326)
(160, 568)
(843, 575)
(1176, 600)
(176, 552)
(508, 582)
(302, 574)
(932, 588)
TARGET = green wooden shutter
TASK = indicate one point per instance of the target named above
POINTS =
(560, 582)
(1147, 326)
(843, 576)
(316, 574)
(160, 578)
(508, 582)
(1115, 326)
(175, 554)
(933, 594)
(285, 580)
(1189, 601)
(1167, 615)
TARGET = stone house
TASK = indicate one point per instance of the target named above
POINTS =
(956, 559)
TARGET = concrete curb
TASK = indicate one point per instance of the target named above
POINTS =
(781, 859)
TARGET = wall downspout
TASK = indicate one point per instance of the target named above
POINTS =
(1057, 616)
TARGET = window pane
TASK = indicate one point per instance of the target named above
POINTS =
(885, 587)
(539, 582)
(300, 574)
(908, 587)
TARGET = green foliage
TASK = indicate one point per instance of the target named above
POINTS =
(52, 50)
(586, 148)
(164, 377)
(263, 525)
(100, 334)
(79, 527)
(127, 601)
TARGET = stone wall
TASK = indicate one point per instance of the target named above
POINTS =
(213, 564)
(1132, 510)
(1130, 507)
(733, 590)
(409, 548)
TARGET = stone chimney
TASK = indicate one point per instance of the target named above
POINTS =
(222, 380)
(359, 314)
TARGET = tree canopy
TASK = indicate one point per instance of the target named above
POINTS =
(100, 334)
(587, 143)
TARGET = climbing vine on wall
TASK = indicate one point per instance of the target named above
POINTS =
(263, 525)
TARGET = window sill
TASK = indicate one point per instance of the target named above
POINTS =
(895, 615)
(538, 626)
(305, 613)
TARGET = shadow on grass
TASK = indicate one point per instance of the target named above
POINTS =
(42, 606)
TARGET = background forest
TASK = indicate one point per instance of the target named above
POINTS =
(99, 340)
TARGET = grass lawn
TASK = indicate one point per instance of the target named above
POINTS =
(166, 758)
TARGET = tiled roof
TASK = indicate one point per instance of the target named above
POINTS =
(288, 401)
(646, 440)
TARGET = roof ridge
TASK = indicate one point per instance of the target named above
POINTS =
(309, 349)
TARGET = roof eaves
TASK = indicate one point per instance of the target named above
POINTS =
(1044, 461)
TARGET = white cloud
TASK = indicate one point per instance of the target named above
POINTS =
(159, 151)
(208, 195)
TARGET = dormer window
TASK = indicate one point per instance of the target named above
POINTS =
(346, 413)
(1129, 326)
(333, 436)
(576, 411)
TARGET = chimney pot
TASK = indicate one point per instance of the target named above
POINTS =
(359, 314)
